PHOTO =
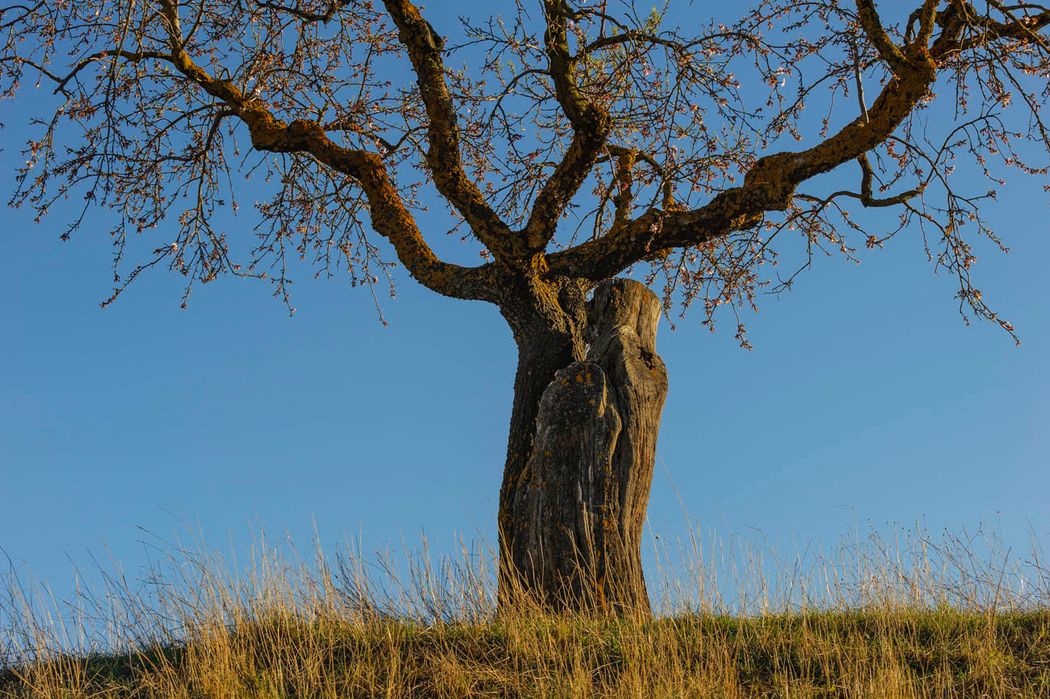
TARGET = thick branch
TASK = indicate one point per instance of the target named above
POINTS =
(443, 156)
(872, 25)
(390, 217)
(1021, 28)
(927, 17)
(768, 186)
(590, 125)
(770, 183)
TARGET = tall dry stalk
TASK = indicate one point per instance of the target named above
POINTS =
(901, 616)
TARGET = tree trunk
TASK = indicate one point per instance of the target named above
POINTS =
(580, 461)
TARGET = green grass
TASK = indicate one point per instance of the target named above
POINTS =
(871, 621)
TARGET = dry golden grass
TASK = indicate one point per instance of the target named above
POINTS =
(875, 620)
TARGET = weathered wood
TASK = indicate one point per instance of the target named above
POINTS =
(582, 506)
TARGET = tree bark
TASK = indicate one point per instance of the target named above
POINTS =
(580, 460)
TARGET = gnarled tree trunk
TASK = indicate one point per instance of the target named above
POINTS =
(575, 493)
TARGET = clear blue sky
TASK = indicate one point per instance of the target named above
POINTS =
(866, 399)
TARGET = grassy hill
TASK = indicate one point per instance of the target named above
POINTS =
(871, 624)
(863, 654)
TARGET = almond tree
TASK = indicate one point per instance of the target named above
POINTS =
(572, 141)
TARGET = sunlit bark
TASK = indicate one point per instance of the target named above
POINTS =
(577, 144)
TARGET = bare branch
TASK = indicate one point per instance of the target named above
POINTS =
(869, 20)
(693, 120)
(304, 14)
(590, 126)
(443, 157)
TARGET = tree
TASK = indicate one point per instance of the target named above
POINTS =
(571, 141)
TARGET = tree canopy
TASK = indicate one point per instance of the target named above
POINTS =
(568, 139)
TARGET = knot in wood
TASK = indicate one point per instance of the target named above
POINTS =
(624, 304)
